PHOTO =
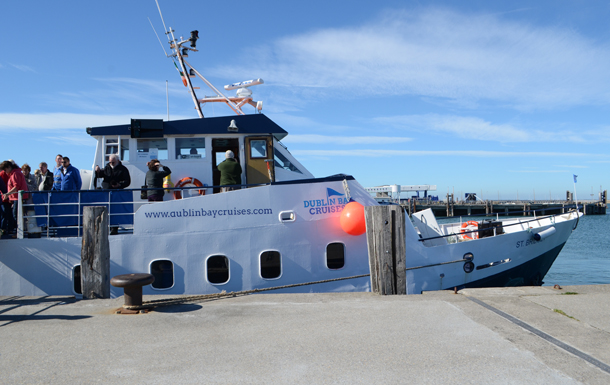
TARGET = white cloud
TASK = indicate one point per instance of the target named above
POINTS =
(54, 121)
(22, 67)
(344, 140)
(539, 171)
(568, 166)
(461, 126)
(465, 153)
(115, 95)
(442, 54)
(71, 140)
(475, 128)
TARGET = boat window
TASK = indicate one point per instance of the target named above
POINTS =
(124, 149)
(258, 149)
(190, 148)
(218, 269)
(163, 271)
(271, 264)
(152, 149)
(335, 255)
(76, 279)
(282, 162)
(112, 147)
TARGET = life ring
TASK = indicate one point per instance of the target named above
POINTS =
(186, 181)
(468, 226)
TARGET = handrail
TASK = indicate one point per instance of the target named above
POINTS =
(25, 207)
(503, 225)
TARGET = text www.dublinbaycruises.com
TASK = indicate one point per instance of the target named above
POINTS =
(206, 213)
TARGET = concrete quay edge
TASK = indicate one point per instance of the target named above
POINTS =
(335, 338)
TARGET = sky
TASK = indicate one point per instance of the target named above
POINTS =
(505, 99)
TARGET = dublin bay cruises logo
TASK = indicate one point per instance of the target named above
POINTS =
(332, 203)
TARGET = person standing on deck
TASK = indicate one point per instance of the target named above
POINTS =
(70, 176)
(15, 184)
(57, 172)
(154, 179)
(115, 175)
(6, 205)
(230, 172)
(44, 178)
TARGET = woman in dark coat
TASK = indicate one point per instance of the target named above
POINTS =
(154, 179)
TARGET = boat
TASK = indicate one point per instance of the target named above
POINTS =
(281, 228)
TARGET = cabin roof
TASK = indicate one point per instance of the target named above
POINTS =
(247, 124)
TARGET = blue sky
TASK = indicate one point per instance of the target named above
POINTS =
(506, 99)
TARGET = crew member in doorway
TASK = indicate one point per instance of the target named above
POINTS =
(230, 172)
(115, 175)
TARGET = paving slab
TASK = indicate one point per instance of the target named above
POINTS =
(347, 338)
(577, 320)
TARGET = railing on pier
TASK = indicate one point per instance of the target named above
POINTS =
(59, 213)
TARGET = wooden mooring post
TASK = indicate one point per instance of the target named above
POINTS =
(95, 253)
(385, 232)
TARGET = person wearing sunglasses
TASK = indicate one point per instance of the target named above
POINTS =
(70, 176)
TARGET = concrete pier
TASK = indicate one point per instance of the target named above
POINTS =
(529, 335)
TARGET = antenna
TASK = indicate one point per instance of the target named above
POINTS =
(162, 47)
(163, 21)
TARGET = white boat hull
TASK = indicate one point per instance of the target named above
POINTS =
(189, 231)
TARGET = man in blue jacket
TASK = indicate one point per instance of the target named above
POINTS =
(70, 177)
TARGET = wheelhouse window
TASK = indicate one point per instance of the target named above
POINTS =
(152, 149)
(271, 264)
(124, 149)
(190, 148)
(112, 147)
(282, 162)
(335, 255)
(163, 271)
(217, 268)
(258, 149)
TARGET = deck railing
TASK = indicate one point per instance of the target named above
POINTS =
(59, 213)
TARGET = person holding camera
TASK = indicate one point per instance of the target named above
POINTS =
(154, 179)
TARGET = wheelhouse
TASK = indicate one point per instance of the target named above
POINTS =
(194, 148)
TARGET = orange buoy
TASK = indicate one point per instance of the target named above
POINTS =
(187, 182)
(470, 225)
(352, 219)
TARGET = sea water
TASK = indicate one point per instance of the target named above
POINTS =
(585, 258)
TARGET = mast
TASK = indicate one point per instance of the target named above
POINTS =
(179, 51)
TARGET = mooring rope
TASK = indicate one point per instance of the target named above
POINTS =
(223, 294)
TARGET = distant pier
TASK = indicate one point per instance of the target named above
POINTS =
(451, 208)
(472, 205)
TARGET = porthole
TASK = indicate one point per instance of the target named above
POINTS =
(335, 255)
(271, 264)
(218, 269)
(76, 279)
(163, 271)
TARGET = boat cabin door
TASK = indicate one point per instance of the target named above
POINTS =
(219, 147)
(259, 159)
